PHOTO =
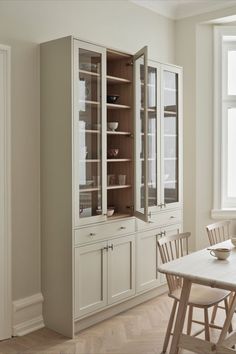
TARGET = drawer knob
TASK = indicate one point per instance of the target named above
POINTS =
(122, 228)
(172, 217)
(92, 234)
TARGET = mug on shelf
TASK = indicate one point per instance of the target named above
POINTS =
(111, 180)
(121, 180)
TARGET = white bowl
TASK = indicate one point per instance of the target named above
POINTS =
(110, 212)
(233, 240)
(112, 125)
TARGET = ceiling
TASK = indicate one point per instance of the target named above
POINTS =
(177, 9)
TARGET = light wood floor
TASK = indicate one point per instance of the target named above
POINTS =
(140, 330)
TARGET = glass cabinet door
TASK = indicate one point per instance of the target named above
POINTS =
(153, 128)
(141, 131)
(89, 118)
(171, 136)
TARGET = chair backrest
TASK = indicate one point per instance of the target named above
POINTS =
(171, 248)
(218, 232)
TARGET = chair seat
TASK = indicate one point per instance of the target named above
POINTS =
(202, 296)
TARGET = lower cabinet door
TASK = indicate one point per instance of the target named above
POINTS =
(90, 278)
(121, 268)
(147, 260)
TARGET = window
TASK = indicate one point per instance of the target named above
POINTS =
(224, 122)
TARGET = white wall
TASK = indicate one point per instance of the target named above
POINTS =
(23, 25)
(194, 51)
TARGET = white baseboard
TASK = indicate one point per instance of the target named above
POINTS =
(27, 315)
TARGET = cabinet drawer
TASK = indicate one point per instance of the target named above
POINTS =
(160, 219)
(104, 231)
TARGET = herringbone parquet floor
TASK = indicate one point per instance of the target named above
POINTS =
(140, 330)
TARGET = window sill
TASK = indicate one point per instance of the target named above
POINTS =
(229, 213)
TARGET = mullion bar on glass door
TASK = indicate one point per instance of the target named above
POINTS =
(152, 132)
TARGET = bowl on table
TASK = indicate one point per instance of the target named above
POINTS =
(112, 98)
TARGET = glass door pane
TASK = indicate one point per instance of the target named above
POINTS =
(171, 163)
(141, 138)
(89, 146)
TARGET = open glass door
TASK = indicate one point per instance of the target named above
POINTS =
(141, 135)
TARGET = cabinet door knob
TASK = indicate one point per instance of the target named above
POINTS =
(105, 248)
(111, 247)
(122, 228)
(92, 234)
(172, 217)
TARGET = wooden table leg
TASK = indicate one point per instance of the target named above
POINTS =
(179, 323)
(227, 320)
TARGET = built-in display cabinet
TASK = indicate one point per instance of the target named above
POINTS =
(111, 178)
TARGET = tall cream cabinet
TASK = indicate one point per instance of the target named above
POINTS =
(111, 178)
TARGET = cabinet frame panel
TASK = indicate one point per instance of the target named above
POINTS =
(75, 128)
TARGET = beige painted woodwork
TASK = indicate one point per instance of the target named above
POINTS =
(95, 265)
(147, 260)
(90, 278)
(104, 274)
(121, 268)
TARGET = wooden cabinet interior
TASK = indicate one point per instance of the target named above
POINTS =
(120, 167)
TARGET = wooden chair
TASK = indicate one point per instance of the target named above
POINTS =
(218, 232)
(171, 248)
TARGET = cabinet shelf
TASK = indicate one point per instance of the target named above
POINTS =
(91, 189)
(118, 160)
(90, 131)
(170, 158)
(118, 216)
(90, 160)
(92, 103)
(149, 159)
(149, 134)
(168, 182)
(110, 132)
(117, 106)
(90, 73)
(170, 113)
(170, 135)
(118, 186)
(117, 80)
(153, 110)
(170, 89)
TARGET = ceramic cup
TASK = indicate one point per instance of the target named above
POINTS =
(220, 253)
(111, 180)
(121, 180)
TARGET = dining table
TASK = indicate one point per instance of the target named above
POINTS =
(201, 267)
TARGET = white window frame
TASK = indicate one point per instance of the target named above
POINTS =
(223, 207)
